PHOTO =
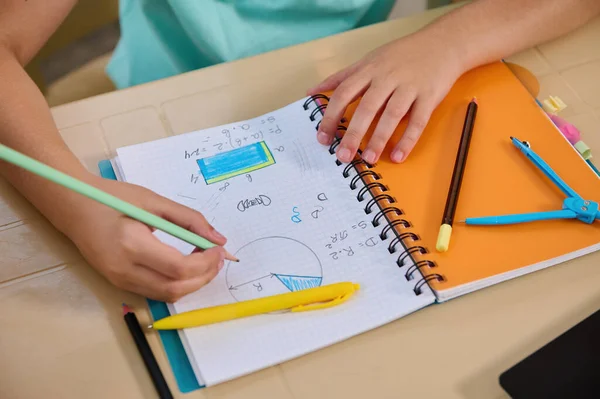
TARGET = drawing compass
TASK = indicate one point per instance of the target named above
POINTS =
(573, 207)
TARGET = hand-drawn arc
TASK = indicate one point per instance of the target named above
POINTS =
(291, 282)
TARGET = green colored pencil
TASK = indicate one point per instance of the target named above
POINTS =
(47, 172)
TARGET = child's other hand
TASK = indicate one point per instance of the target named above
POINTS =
(127, 253)
(413, 73)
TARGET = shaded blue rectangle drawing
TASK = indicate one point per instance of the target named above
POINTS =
(233, 163)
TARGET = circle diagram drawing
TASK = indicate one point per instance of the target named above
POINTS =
(272, 265)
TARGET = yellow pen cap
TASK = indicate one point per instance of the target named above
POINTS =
(443, 241)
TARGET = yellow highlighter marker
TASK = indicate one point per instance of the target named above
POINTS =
(298, 301)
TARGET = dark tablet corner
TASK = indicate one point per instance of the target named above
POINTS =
(567, 367)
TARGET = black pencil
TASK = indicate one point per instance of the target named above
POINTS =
(459, 167)
(146, 352)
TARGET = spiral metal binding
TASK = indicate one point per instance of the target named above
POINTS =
(405, 223)
(383, 212)
(377, 198)
(334, 144)
(317, 110)
(416, 266)
(408, 252)
(363, 171)
(401, 238)
(424, 281)
(350, 166)
(314, 99)
(360, 175)
(367, 188)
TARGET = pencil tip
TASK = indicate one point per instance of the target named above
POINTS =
(126, 308)
(230, 257)
(150, 326)
(475, 100)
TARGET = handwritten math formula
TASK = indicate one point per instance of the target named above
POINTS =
(232, 137)
(340, 243)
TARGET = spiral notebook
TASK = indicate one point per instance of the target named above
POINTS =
(297, 218)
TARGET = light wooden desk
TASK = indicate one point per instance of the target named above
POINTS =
(62, 333)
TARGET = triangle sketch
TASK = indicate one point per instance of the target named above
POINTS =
(297, 283)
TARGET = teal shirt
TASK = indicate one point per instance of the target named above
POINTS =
(161, 38)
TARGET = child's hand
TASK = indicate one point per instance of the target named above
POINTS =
(413, 73)
(127, 253)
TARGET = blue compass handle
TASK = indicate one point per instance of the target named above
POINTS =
(521, 218)
(544, 167)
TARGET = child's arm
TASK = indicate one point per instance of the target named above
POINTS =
(125, 251)
(25, 120)
(415, 73)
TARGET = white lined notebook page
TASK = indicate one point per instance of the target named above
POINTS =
(293, 221)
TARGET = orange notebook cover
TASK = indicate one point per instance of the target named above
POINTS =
(498, 180)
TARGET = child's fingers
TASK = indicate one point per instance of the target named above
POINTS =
(396, 108)
(150, 284)
(143, 248)
(371, 103)
(420, 113)
(346, 93)
(208, 263)
(188, 219)
(168, 261)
